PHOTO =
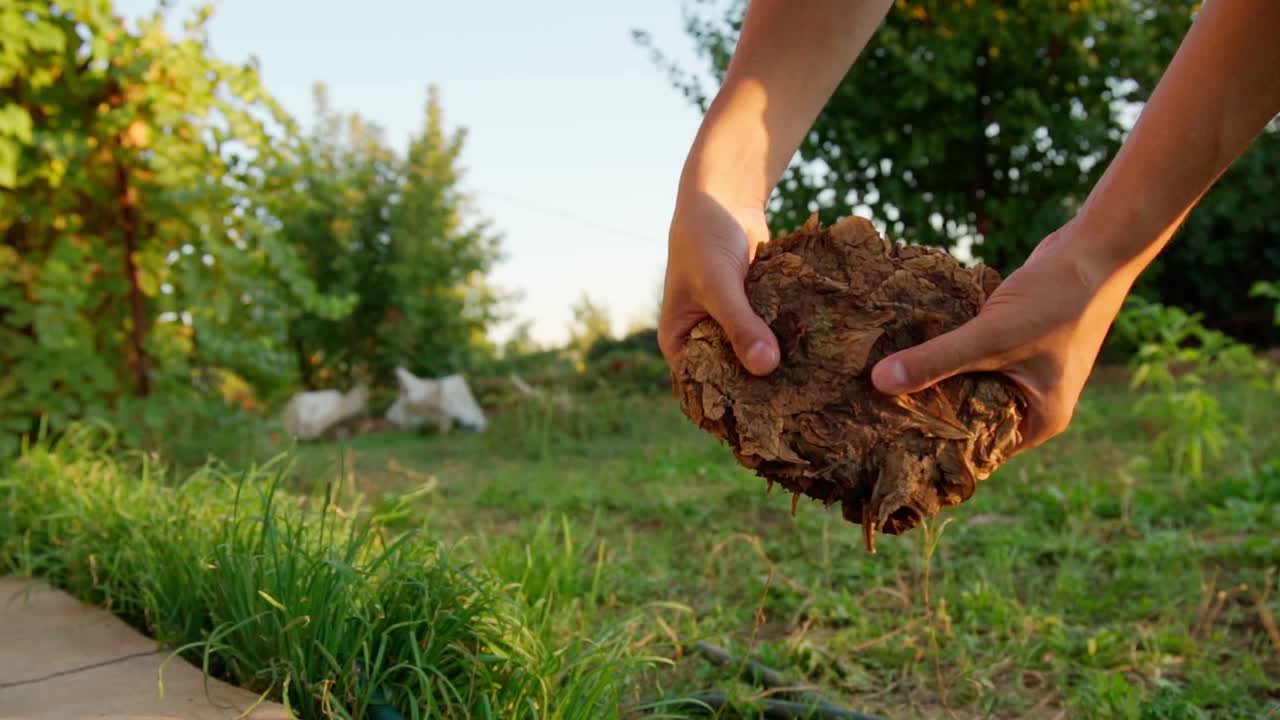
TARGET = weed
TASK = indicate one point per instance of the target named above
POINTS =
(1176, 356)
(1269, 290)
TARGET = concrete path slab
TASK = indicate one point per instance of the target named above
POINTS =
(61, 659)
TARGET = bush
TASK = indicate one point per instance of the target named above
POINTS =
(640, 342)
(631, 364)
(1174, 355)
(628, 371)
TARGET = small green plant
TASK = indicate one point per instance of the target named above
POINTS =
(1271, 291)
(1175, 356)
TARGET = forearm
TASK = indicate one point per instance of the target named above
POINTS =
(1217, 95)
(790, 57)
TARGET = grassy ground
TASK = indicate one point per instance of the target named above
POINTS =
(1086, 579)
(314, 601)
(564, 564)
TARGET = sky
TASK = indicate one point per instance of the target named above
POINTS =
(575, 140)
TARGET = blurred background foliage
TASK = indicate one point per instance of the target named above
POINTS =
(179, 256)
(176, 252)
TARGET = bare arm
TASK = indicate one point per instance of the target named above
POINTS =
(1217, 95)
(790, 57)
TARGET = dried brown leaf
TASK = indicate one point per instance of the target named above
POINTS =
(840, 299)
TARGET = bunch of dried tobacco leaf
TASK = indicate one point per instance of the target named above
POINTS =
(839, 299)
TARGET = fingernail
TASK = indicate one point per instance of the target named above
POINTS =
(897, 376)
(760, 357)
(900, 373)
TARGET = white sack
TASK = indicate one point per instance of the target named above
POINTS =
(309, 414)
(440, 402)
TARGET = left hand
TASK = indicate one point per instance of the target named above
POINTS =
(1042, 328)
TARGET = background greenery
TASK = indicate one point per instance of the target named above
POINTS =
(178, 258)
(172, 242)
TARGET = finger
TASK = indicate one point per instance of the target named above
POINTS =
(1046, 417)
(676, 317)
(671, 339)
(973, 346)
(753, 342)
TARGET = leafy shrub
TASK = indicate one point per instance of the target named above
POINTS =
(641, 341)
(1175, 357)
(631, 364)
(628, 371)
(391, 229)
(1271, 291)
(137, 248)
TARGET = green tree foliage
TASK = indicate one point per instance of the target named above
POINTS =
(590, 323)
(138, 256)
(520, 341)
(394, 230)
(987, 122)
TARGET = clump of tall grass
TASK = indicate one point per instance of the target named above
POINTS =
(317, 605)
(557, 424)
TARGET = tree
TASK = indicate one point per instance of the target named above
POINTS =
(396, 232)
(520, 342)
(138, 254)
(448, 249)
(590, 323)
(985, 123)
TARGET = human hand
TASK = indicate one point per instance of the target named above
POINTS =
(710, 247)
(1042, 328)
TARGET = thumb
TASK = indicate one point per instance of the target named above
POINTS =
(753, 342)
(972, 346)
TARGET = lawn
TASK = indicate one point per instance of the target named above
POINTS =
(1085, 579)
(569, 562)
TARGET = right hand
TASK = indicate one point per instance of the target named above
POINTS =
(1042, 328)
(710, 247)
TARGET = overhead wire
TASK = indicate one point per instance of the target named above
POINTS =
(566, 215)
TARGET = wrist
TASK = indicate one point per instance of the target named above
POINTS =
(730, 159)
(1113, 246)
(1093, 285)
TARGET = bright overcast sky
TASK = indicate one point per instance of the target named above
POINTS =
(575, 140)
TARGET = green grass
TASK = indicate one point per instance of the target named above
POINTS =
(554, 556)
(1084, 579)
(312, 602)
